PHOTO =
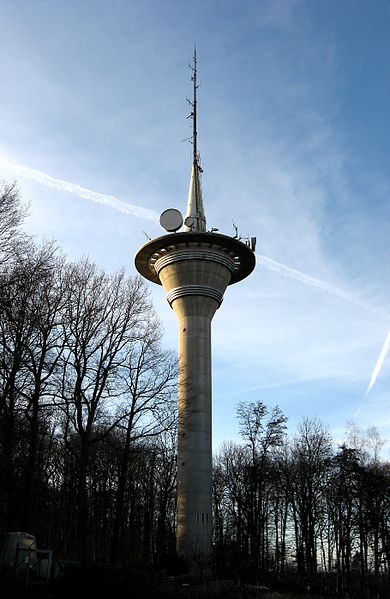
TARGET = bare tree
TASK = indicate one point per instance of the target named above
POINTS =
(165, 476)
(104, 319)
(24, 361)
(12, 214)
(264, 430)
(309, 474)
(232, 506)
(149, 379)
(43, 352)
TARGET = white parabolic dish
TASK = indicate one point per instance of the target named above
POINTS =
(171, 220)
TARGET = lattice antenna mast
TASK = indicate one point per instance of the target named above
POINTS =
(195, 217)
(195, 112)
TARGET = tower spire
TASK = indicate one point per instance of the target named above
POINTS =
(195, 219)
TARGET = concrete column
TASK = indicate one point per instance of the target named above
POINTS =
(194, 458)
(195, 289)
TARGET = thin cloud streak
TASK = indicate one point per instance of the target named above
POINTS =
(295, 381)
(379, 363)
(297, 275)
(82, 192)
(116, 204)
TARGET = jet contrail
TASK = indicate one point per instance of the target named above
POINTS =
(379, 363)
(113, 202)
(300, 276)
(292, 273)
(82, 192)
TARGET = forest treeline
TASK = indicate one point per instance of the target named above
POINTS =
(88, 439)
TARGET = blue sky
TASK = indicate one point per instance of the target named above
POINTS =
(294, 138)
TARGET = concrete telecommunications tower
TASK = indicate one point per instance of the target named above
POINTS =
(194, 266)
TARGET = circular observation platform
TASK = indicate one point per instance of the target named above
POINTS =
(151, 257)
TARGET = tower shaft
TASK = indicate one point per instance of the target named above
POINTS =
(195, 270)
(194, 461)
(195, 278)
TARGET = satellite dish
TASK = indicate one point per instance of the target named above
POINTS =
(189, 222)
(171, 220)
